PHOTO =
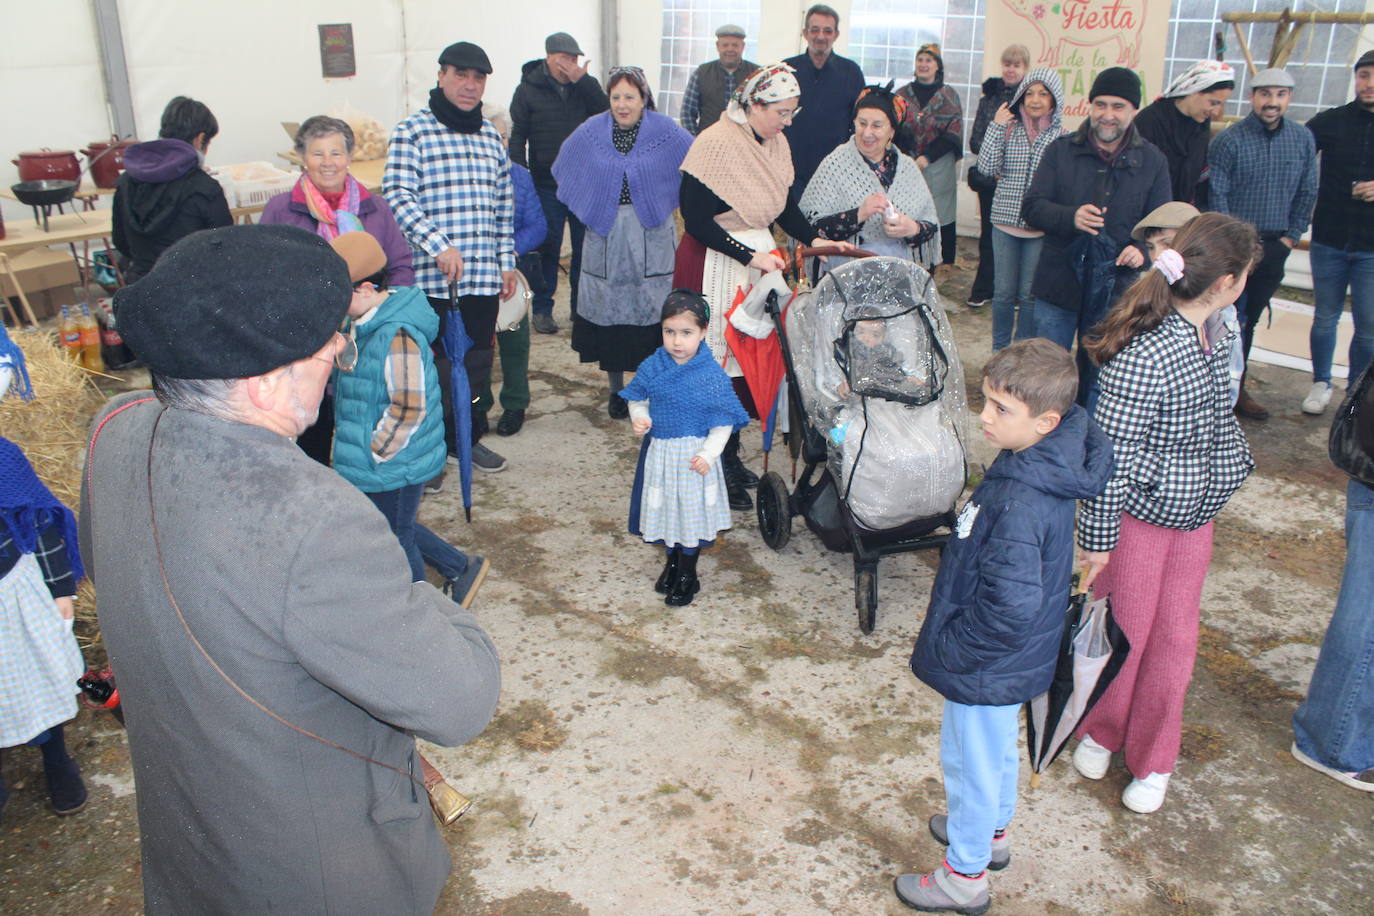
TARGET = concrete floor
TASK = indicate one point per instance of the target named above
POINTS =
(753, 753)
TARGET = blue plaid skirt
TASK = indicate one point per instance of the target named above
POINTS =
(672, 504)
(39, 658)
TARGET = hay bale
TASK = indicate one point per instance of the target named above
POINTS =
(51, 429)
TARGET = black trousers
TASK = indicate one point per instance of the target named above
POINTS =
(479, 320)
(982, 280)
(1260, 288)
(949, 243)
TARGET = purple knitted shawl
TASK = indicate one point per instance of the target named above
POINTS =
(589, 170)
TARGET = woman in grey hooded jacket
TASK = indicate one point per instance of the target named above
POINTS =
(1015, 140)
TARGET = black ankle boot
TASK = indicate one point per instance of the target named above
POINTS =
(65, 788)
(669, 574)
(736, 474)
(686, 585)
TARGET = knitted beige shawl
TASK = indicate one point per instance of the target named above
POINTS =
(752, 177)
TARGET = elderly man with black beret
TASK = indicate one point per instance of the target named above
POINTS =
(275, 661)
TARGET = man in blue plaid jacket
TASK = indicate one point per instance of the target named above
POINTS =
(447, 179)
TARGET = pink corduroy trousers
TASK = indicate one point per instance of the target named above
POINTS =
(1155, 581)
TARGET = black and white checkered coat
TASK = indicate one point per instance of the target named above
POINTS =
(1180, 452)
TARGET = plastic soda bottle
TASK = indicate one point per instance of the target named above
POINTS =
(69, 334)
(89, 331)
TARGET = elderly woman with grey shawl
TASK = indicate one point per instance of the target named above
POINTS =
(618, 174)
(869, 193)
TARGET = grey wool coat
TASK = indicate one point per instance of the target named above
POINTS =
(294, 584)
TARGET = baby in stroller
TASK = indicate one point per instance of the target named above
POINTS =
(879, 377)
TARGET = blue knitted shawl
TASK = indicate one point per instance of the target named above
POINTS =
(12, 356)
(27, 506)
(686, 400)
(589, 170)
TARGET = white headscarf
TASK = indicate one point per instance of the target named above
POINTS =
(767, 84)
(1200, 77)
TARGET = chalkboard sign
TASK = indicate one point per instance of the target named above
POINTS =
(336, 50)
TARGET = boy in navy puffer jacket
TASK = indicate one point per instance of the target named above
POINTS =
(992, 632)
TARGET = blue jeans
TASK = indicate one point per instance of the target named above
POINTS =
(1335, 724)
(1060, 326)
(400, 507)
(447, 560)
(1013, 268)
(555, 214)
(980, 761)
(1333, 272)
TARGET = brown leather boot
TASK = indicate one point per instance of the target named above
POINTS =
(1249, 408)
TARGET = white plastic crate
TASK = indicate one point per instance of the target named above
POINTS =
(253, 184)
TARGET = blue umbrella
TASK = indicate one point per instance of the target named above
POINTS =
(456, 344)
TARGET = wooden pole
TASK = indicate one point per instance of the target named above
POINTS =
(1307, 18)
(1244, 48)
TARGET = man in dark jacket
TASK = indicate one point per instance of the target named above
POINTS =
(1089, 191)
(555, 95)
(830, 84)
(1343, 233)
(164, 193)
(997, 91)
(991, 636)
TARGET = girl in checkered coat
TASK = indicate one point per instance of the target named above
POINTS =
(684, 397)
(1180, 454)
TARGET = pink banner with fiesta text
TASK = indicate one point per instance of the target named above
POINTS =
(1081, 38)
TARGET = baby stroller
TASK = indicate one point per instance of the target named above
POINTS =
(878, 413)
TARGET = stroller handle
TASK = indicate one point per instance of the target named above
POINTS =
(806, 251)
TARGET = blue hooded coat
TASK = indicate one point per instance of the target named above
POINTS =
(992, 632)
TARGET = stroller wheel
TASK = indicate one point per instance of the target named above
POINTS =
(775, 516)
(866, 597)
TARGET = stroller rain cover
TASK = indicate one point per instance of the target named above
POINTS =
(880, 378)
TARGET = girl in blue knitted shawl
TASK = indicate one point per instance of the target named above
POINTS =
(682, 402)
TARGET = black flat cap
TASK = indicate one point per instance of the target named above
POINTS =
(465, 55)
(235, 302)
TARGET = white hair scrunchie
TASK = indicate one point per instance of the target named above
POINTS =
(1170, 263)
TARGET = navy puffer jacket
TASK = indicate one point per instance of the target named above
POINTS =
(992, 631)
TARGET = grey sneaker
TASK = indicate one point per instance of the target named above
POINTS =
(1364, 781)
(484, 459)
(434, 484)
(1317, 398)
(543, 323)
(1001, 848)
(944, 891)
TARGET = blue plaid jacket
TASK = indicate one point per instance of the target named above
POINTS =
(1265, 177)
(452, 190)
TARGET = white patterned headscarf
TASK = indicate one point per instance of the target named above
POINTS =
(772, 83)
(1200, 77)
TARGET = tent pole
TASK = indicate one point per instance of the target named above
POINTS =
(116, 71)
(610, 35)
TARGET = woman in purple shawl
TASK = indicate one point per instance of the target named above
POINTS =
(618, 174)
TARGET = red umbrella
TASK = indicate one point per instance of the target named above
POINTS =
(760, 359)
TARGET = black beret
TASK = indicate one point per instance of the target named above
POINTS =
(235, 302)
(464, 55)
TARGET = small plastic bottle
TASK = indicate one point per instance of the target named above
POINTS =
(89, 333)
(69, 334)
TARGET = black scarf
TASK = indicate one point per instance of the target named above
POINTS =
(453, 117)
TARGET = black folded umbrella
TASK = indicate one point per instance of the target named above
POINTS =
(1091, 654)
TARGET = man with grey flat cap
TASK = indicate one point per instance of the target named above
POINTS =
(1264, 170)
(555, 95)
(447, 179)
(276, 663)
(710, 86)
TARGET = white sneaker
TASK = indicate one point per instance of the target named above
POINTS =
(1145, 796)
(1091, 759)
(1317, 398)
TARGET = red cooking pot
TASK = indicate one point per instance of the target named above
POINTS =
(107, 160)
(44, 164)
